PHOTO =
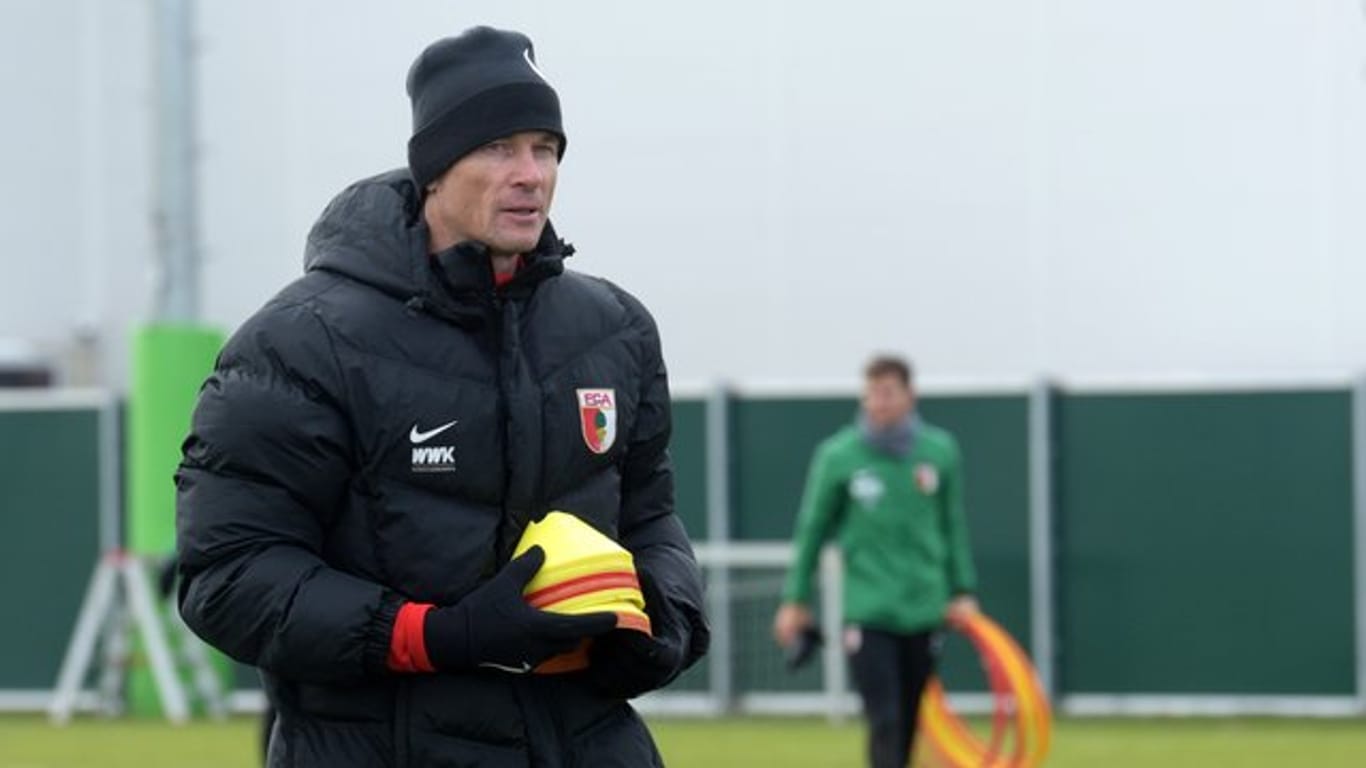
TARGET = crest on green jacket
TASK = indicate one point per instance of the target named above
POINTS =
(927, 478)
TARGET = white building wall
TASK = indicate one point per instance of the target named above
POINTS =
(998, 188)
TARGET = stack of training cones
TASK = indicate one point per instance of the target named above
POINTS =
(1021, 723)
(584, 572)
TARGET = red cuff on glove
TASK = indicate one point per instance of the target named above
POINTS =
(407, 645)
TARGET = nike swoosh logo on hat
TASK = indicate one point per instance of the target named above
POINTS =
(421, 437)
(522, 670)
(526, 54)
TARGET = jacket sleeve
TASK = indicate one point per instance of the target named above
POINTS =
(648, 526)
(267, 462)
(962, 575)
(822, 502)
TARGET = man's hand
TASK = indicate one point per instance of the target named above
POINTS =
(789, 622)
(493, 626)
(626, 663)
(960, 608)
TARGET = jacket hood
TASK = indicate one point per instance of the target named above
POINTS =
(373, 232)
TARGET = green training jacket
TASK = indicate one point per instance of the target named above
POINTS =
(900, 526)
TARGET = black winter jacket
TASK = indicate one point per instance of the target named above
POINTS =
(312, 502)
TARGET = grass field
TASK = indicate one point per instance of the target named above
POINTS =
(29, 742)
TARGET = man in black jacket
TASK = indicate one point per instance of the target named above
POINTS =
(373, 442)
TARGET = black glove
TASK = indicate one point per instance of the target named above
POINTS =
(803, 649)
(626, 663)
(494, 627)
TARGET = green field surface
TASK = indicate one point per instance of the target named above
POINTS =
(29, 742)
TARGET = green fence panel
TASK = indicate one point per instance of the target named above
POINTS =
(1205, 543)
(688, 448)
(49, 536)
(1203, 546)
(772, 441)
(771, 445)
(993, 435)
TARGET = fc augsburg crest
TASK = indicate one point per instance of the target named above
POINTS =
(927, 478)
(598, 418)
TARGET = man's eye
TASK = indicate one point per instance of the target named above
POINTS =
(496, 147)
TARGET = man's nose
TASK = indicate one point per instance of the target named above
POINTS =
(527, 171)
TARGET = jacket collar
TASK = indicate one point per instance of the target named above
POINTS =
(465, 269)
(460, 284)
(373, 232)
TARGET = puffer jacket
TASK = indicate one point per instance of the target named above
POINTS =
(383, 430)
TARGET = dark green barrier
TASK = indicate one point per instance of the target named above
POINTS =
(771, 444)
(1205, 543)
(993, 434)
(772, 441)
(49, 536)
(689, 452)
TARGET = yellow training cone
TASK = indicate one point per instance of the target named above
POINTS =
(584, 572)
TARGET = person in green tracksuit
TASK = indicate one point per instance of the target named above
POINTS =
(890, 490)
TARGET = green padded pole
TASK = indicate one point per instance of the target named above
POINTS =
(169, 363)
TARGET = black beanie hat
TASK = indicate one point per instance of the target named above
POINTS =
(471, 89)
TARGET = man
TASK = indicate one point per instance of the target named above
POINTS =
(373, 442)
(890, 489)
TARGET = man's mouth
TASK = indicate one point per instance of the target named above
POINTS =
(522, 212)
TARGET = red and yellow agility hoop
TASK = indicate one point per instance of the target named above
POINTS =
(1021, 721)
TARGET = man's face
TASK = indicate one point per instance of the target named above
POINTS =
(500, 193)
(886, 400)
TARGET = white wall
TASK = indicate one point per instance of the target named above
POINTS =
(75, 195)
(998, 188)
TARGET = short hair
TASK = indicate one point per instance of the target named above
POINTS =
(889, 365)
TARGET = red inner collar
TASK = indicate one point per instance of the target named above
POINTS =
(501, 280)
